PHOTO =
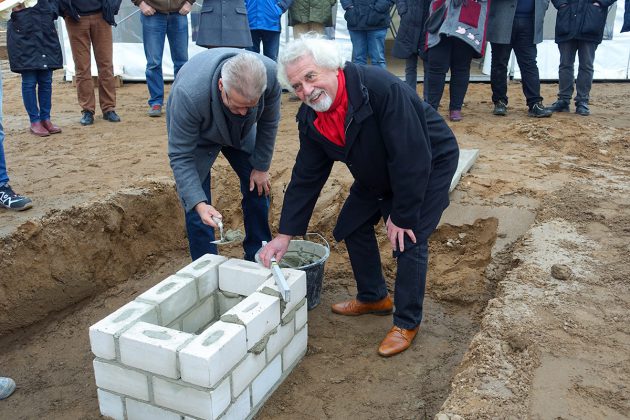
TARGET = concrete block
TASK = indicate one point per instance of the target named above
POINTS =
(227, 301)
(296, 279)
(123, 381)
(176, 325)
(240, 408)
(259, 313)
(242, 277)
(279, 340)
(104, 333)
(301, 316)
(173, 296)
(204, 404)
(137, 410)
(246, 371)
(200, 316)
(205, 271)
(110, 405)
(295, 350)
(212, 354)
(267, 379)
(152, 348)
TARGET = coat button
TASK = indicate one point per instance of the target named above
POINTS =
(44, 55)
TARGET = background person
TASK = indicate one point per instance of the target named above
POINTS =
(402, 156)
(223, 23)
(228, 101)
(264, 23)
(311, 16)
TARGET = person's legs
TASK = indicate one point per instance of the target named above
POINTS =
(101, 33)
(177, 33)
(154, 30)
(461, 57)
(359, 46)
(317, 28)
(525, 50)
(584, 81)
(498, 72)
(44, 93)
(29, 95)
(271, 44)
(255, 207)
(411, 274)
(200, 235)
(4, 176)
(565, 70)
(256, 40)
(376, 46)
(365, 260)
(411, 71)
(437, 67)
(80, 44)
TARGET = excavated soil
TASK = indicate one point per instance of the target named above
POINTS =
(501, 337)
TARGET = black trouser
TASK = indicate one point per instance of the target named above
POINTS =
(522, 43)
(450, 53)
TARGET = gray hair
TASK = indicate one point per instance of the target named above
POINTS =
(325, 54)
(246, 74)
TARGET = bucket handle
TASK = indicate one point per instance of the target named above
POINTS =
(319, 236)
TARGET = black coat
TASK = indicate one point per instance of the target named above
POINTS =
(32, 39)
(411, 32)
(110, 9)
(367, 15)
(399, 150)
(581, 20)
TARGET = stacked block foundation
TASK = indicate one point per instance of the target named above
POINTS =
(212, 341)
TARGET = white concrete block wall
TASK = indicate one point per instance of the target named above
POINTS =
(250, 342)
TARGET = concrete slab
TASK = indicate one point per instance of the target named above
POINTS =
(466, 159)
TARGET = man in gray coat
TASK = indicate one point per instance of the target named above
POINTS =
(223, 100)
(516, 25)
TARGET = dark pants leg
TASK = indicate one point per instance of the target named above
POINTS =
(498, 71)
(44, 93)
(461, 57)
(270, 43)
(199, 234)
(365, 260)
(411, 275)
(526, 52)
(565, 70)
(29, 95)
(584, 81)
(435, 77)
(411, 71)
(256, 40)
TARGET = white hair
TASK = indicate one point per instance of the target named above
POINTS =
(246, 74)
(325, 54)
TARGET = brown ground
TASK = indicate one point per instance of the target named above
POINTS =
(501, 337)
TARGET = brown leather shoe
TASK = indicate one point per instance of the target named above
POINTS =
(354, 307)
(39, 130)
(52, 128)
(396, 341)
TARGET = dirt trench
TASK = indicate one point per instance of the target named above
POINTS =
(85, 262)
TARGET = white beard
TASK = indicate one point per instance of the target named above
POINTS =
(324, 103)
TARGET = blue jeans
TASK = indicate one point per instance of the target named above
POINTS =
(4, 178)
(255, 213)
(270, 41)
(584, 81)
(370, 43)
(37, 94)
(411, 274)
(155, 29)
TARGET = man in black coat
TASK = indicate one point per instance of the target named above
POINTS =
(579, 29)
(402, 156)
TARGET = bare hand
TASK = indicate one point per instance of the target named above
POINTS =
(146, 9)
(206, 213)
(276, 248)
(396, 235)
(261, 180)
(185, 8)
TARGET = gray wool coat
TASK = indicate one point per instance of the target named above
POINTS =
(501, 18)
(197, 127)
(224, 23)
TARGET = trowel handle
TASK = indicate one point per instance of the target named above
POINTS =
(218, 221)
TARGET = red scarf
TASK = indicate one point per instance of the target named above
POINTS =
(331, 124)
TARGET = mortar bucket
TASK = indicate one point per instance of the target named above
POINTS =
(316, 254)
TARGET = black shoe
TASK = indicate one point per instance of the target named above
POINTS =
(111, 116)
(500, 108)
(87, 118)
(539, 111)
(12, 201)
(560, 106)
(581, 108)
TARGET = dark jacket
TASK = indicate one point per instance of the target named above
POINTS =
(581, 20)
(411, 32)
(109, 10)
(224, 24)
(32, 39)
(400, 152)
(501, 19)
(164, 6)
(367, 15)
(626, 18)
(315, 11)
